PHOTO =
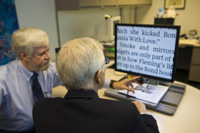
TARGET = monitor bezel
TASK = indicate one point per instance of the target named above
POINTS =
(156, 26)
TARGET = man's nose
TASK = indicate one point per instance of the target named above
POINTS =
(47, 56)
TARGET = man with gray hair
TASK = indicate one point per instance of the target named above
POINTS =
(80, 65)
(31, 46)
(29, 77)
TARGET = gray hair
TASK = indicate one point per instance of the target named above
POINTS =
(78, 61)
(27, 39)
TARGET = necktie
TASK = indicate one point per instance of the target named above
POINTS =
(36, 88)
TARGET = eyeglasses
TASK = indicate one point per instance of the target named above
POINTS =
(107, 60)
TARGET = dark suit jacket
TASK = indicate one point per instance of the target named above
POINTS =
(82, 111)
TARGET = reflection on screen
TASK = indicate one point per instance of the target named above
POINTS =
(148, 50)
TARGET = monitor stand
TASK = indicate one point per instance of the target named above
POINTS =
(167, 104)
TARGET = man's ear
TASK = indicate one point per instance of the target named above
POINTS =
(24, 56)
(98, 76)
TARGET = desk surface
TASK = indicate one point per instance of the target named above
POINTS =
(189, 42)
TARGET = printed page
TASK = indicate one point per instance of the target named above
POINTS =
(147, 92)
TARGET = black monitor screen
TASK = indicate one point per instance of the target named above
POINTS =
(148, 50)
(164, 21)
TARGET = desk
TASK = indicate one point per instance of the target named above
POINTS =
(189, 42)
(189, 59)
(185, 120)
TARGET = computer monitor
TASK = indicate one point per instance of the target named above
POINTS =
(147, 50)
(164, 21)
(104, 31)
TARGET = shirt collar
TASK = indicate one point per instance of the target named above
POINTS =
(24, 71)
(81, 93)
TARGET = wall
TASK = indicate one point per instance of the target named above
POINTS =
(41, 14)
(187, 18)
(81, 23)
(73, 24)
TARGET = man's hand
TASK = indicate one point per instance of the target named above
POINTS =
(140, 106)
(125, 84)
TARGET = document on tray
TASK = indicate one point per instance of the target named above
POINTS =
(147, 92)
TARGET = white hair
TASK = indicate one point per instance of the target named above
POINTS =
(27, 39)
(78, 61)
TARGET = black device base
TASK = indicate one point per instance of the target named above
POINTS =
(168, 103)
